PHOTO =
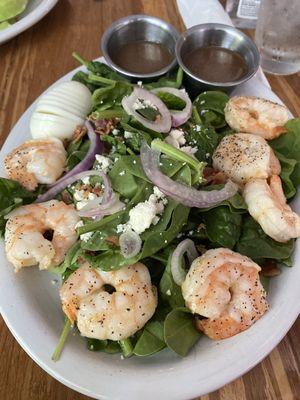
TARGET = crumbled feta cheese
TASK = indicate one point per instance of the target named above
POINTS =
(198, 128)
(202, 112)
(142, 216)
(122, 173)
(79, 195)
(81, 204)
(121, 228)
(168, 292)
(85, 236)
(202, 101)
(145, 214)
(176, 139)
(140, 104)
(92, 196)
(207, 155)
(127, 135)
(86, 180)
(140, 83)
(104, 163)
(115, 132)
(189, 150)
(158, 193)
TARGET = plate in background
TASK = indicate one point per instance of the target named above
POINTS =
(35, 10)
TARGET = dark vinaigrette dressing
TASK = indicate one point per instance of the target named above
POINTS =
(216, 64)
(142, 57)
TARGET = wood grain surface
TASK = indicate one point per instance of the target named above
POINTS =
(28, 65)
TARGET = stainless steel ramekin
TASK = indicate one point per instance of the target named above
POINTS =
(138, 28)
(216, 35)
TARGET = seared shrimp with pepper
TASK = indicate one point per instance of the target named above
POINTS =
(267, 205)
(258, 116)
(224, 287)
(244, 156)
(28, 227)
(36, 161)
(109, 314)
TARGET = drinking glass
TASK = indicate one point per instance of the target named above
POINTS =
(277, 36)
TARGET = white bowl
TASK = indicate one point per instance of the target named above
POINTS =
(35, 11)
(30, 306)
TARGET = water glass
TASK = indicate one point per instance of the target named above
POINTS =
(277, 36)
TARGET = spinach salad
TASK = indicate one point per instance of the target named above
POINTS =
(144, 161)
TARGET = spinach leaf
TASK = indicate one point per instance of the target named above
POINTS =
(116, 145)
(170, 292)
(210, 106)
(223, 227)
(255, 244)
(70, 262)
(151, 340)
(287, 169)
(149, 113)
(204, 138)
(107, 346)
(76, 152)
(99, 68)
(180, 333)
(83, 78)
(288, 145)
(110, 96)
(12, 195)
(174, 81)
(172, 101)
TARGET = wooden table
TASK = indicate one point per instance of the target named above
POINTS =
(28, 65)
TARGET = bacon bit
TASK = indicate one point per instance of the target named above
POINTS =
(78, 133)
(105, 126)
(97, 190)
(214, 177)
(66, 198)
(114, 240)
(201, 248)
(198, 323)
(270, 269)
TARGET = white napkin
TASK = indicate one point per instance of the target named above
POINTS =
(194, 12)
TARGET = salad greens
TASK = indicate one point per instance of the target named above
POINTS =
(226, 224)
(12, 195)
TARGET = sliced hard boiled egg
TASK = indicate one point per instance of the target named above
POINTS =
(60, 110)
(50, 125)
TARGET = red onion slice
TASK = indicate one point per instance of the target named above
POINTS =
(186, 246)
(178, 117)
(163, 124)
(180, 192)
(130, 243)
(107, 207)
(52, 192)
(96, 147)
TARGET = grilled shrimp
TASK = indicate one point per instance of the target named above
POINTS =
(267, 205)
(115, 315)
(258, 116)
(244, 156)
(224, 287)
(25, 243)
(36, 161)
